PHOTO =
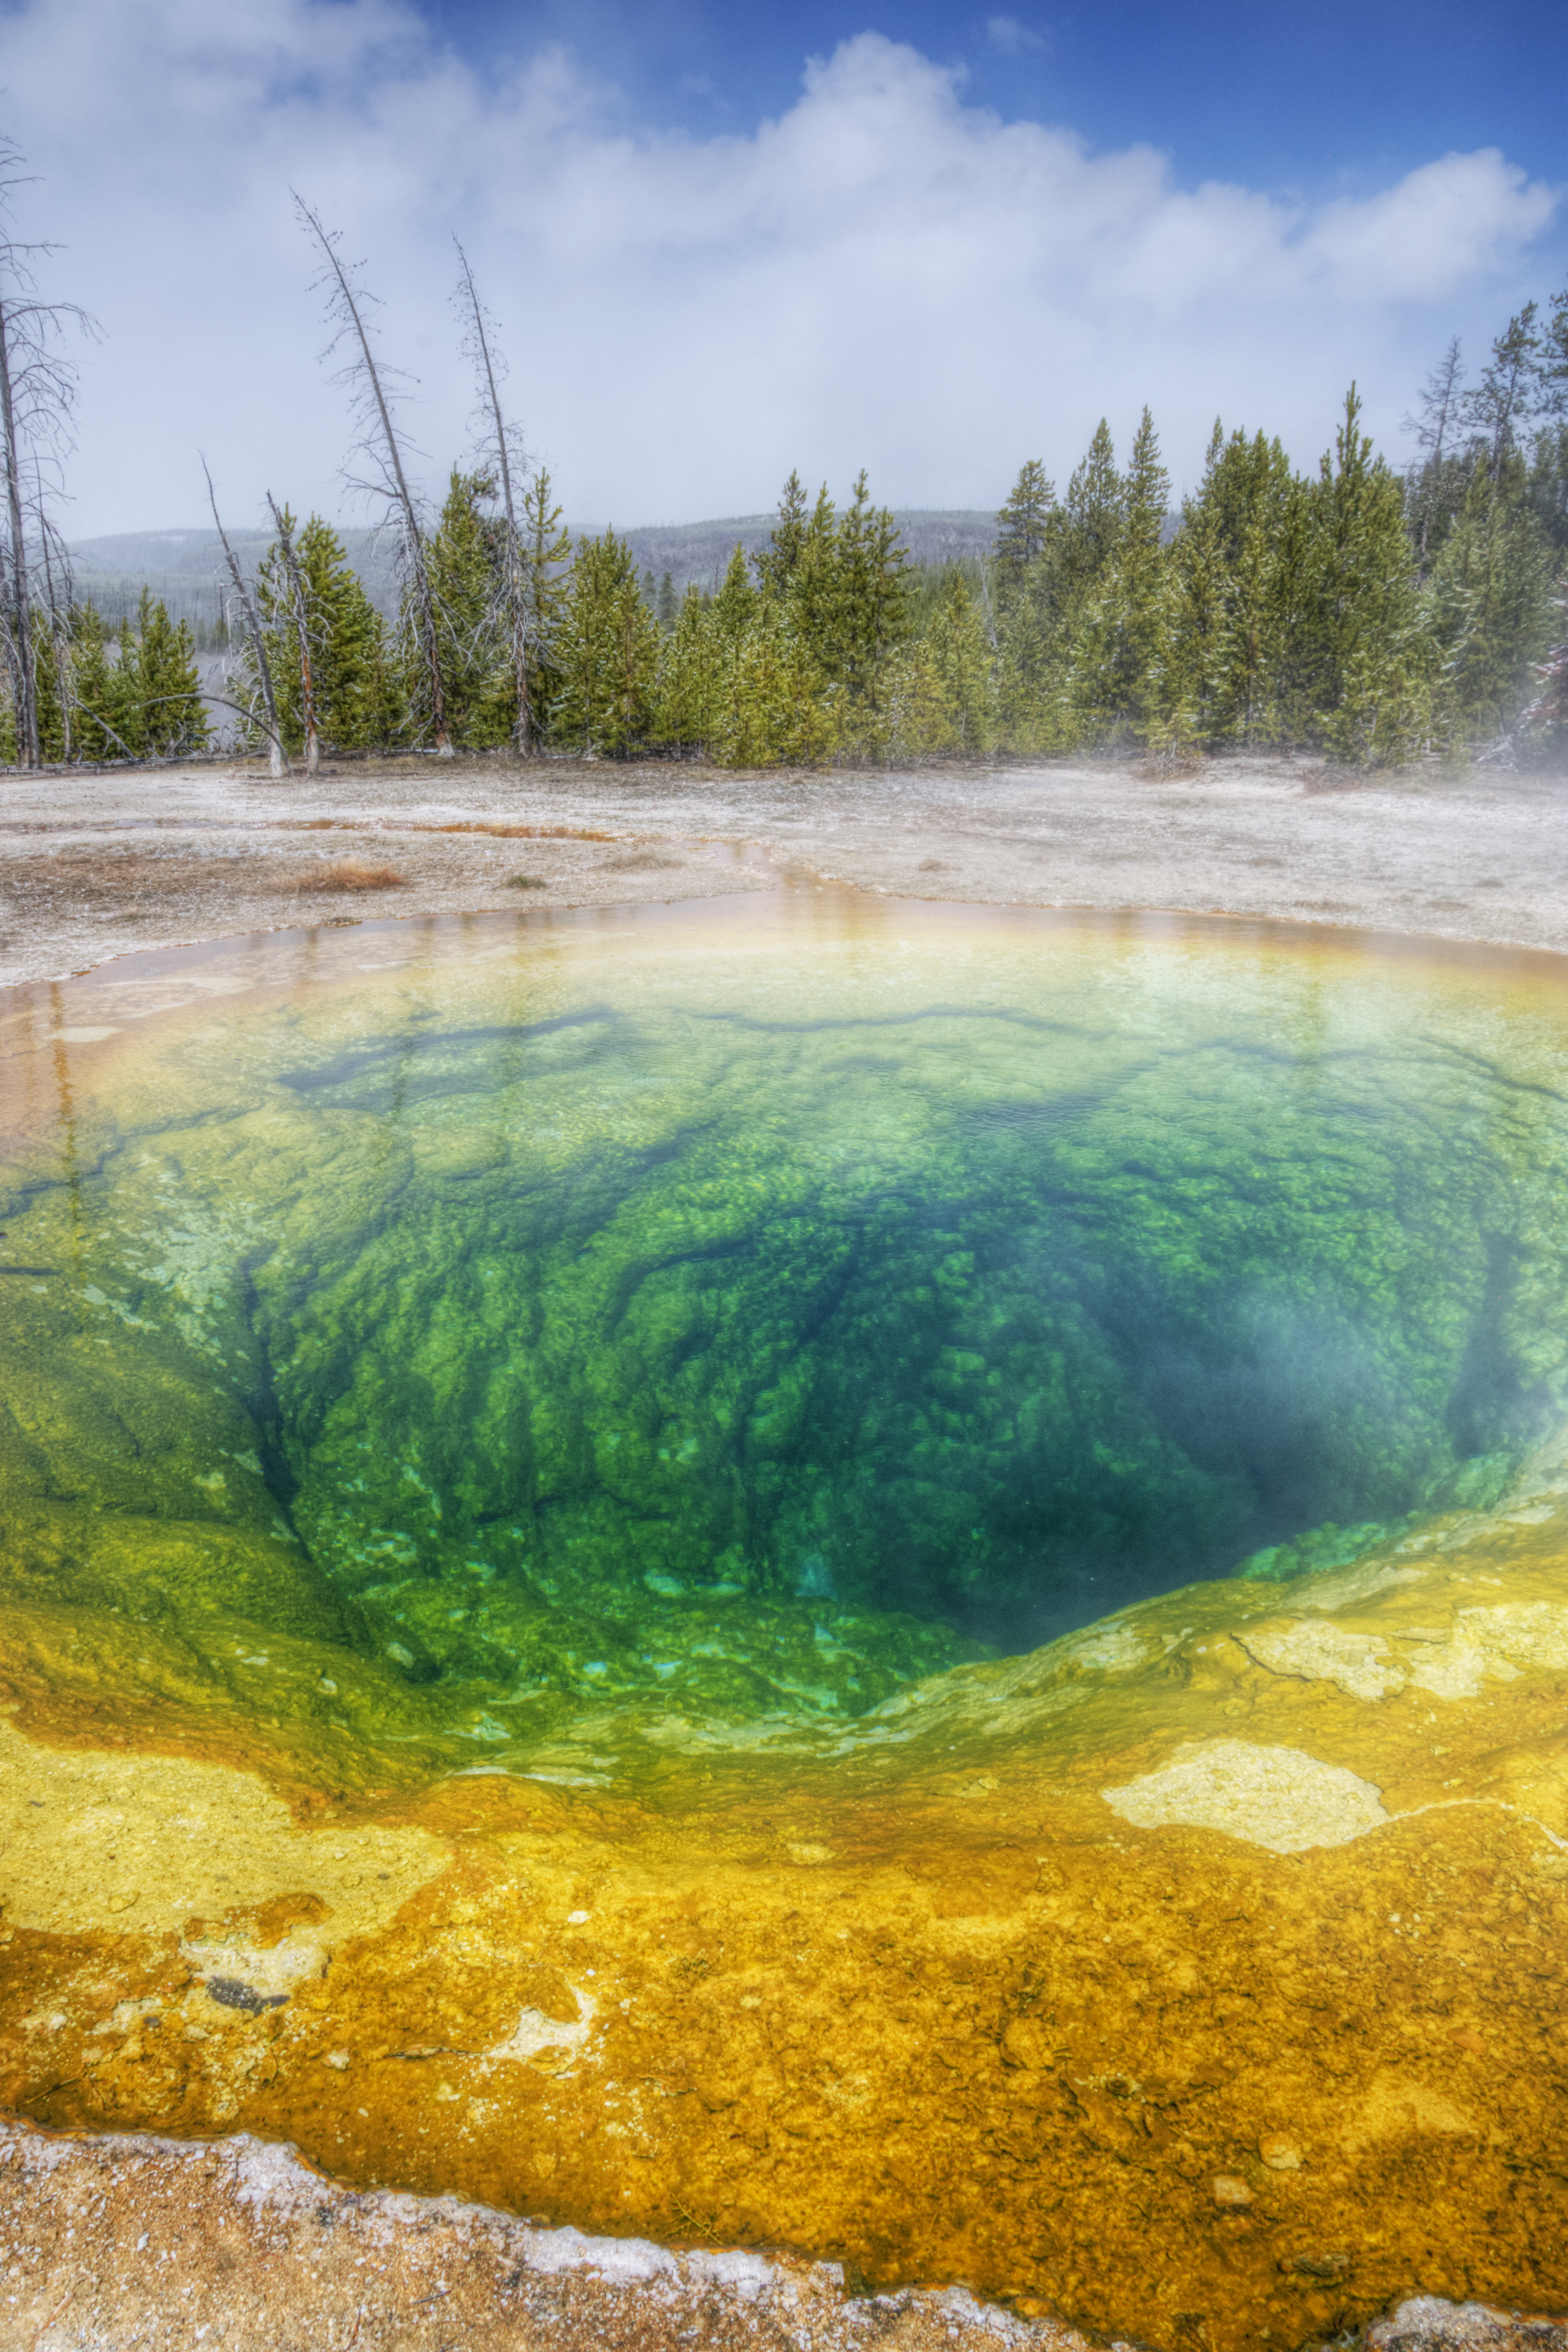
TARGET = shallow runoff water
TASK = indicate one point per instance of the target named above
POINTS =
(695, 1325)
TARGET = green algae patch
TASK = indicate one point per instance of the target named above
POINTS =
(633, 1334)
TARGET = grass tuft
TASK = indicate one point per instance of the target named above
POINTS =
(345, 874)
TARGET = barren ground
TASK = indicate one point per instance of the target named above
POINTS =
(98, 866)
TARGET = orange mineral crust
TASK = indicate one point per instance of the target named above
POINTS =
(1214, 1980)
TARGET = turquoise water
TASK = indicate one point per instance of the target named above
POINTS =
(741, 1313)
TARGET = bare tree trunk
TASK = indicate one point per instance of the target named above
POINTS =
(21, 616)
(60, 633)
(37, 387)
(278, 758)
(351, 317)
(302, 628)
(516, 600)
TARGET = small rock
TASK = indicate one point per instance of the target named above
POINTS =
(1228, 2190)
(1318, 2266)
(1281, 2155)
(1431, 2324)
(230, 1993)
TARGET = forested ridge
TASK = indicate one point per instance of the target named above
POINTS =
(1374, 615)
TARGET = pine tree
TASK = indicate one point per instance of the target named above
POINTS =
(1431, 501)
(1372, 655)
(608, 652)
(469, 589)
(351, 654)
(1027, 550)
(319, 596)
(1031, 712)
(1091, 519)
(122, 698)
(773, 707)
(170, 682)
(1023, 528)
(93, 723)
(1139, 580)
(814, 583)
(1082, 621)
(1195, 658)
(735, 604)
(780, 562)
(962, 668)
(546, 547)
(288, 637)
(1507, 389)
(49, 709)
(1548, 489)
(1221, 659)
(145, 704)
(872, 607)
(666, 604)
(1552, 362)
(1548, 714)
(691, 694)
(1253, 490)
(1491, 606)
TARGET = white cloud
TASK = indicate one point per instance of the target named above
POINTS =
(883, 276)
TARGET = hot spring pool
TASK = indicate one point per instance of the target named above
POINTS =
(687, 1323)
(602, 1354)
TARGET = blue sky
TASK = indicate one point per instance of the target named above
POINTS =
(720, 242)
(1348, 92)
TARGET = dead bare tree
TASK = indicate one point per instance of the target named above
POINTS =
(496, 451)
(378, 445)
(278, 758)
(37, 392)
(299, 605)
(59, 596)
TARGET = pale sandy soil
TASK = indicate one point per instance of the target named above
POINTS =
(134, 2240)
(106, 2243)
(94, 867)
(115, 2243)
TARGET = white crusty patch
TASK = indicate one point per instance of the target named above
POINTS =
(1518, 1633)
(535, 2031)
(1358, 1663)
(1277, 1797)
(1497, 1643)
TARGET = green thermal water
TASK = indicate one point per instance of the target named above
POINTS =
(727, 1316)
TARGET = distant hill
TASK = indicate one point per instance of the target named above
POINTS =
(700, 550)
(186, 569)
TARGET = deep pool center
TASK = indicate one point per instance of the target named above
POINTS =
(697, 1327)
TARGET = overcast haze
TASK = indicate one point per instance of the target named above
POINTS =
(871, 268)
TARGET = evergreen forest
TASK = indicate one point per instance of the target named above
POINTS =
(1372, 615)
